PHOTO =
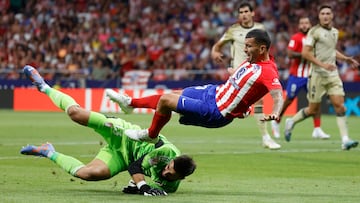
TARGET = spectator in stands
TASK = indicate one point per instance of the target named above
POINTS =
(116, 28)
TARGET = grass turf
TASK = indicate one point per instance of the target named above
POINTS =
(232, 165)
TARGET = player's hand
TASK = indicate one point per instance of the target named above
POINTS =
(231, 70)
(270, 117)
(329, 67)
(131, 188)
(148, 191)
(155, 192)
(217, 57)
(247, 113)
(352, 62)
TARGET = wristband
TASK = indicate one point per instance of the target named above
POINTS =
(141, 183)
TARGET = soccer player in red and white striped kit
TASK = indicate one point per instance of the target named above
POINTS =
(214, 106)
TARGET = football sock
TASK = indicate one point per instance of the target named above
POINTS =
(158, 122)
(317, 122)
(341, 122)
(146, 102)
(266, 137)
(68, 163)
(61, 100)
(299, 116)
(258, 114)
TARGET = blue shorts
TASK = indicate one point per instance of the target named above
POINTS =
(197, 106)
(294, 85)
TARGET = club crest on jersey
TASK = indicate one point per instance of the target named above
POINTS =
(256, 67)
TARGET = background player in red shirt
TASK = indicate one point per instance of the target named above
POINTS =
(299, 72)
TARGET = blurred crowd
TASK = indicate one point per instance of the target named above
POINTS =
(103, 39)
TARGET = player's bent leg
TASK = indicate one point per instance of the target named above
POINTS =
(338, 103)
(78, 114)
(93, 171)
(68, 163)
(169, 103)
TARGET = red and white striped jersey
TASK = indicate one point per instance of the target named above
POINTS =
(248, 84)
(299, 67)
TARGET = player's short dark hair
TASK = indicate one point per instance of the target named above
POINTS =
(261, 37)
(184, 165)
(246, 4)
(324, 6)
(303, 17)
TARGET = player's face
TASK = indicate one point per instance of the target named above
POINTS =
(304, 25)
(253, 50)
(325, 17)
(169, 172)
(245, 15)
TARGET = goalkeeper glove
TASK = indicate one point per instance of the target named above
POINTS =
(131, 188)
(148, 191)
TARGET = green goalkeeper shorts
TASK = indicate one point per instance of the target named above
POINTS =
(117, 154)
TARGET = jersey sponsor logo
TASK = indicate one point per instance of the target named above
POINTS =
(240, 72)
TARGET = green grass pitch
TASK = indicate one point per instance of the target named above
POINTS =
(232, 164)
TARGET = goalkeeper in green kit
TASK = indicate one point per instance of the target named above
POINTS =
(162, 162)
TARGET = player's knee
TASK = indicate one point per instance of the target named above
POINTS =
(311, 111)
(165, 101)
(74, 113)
(94, 173)
(78, 115)
(339, 108)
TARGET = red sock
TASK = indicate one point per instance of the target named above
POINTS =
(149, 102)
(158, 122)
(317, 122)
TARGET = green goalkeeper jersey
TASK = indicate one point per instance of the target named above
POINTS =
(156, 160)
(121, 151)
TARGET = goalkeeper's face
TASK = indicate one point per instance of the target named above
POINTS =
(169, 172)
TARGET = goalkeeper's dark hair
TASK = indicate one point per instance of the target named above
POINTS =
(261, 37)
(184, 165)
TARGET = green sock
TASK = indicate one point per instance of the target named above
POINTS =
(68, 163)
(61, 100)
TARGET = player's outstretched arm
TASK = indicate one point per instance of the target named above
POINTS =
(350, 60)
(137, 175)
(278, 100)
